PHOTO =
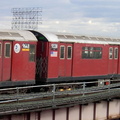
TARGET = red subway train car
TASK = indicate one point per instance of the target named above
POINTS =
(69, 58)
(17, 58)
(32, 57)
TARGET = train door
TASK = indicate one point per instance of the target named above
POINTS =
(5, 60)
(65, 60)
(113, 60)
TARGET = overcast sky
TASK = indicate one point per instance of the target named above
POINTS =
(85, 17)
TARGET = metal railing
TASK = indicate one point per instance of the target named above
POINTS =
(80, 93)
(54, 90)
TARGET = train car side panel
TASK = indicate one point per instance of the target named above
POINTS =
(62, 60)
(7, 57)
(69, 59)
(65, 60)
(90, 60)
(5, 60)
(53, 61)
(113, 60)
(23, 62)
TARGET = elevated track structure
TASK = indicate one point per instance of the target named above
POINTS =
(20, 100)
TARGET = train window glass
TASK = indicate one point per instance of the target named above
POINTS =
(84, 54)
(0, 50)
(7, 50)
(116, 53)
(69, 52)
(98, 54)
(110, 53)
(98, 48)
(62, 52)
(91, 52)
(32, 53)
(84, 48)
(91, 48)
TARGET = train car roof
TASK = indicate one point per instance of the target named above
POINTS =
(17, 35)
(72, 38)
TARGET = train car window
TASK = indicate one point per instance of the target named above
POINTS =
(0, 49)
(91, 52)
(7, 50)
(32, 53)
(97, 52)
(110, 53)
(69, 52)
(116, 53)
(91, 48)
(84, 48)
(62, 52)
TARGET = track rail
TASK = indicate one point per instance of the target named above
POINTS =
(81, 93)
(35, 104)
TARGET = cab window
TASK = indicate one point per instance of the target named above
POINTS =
(32, 53)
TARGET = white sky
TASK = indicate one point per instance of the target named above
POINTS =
(85, 17)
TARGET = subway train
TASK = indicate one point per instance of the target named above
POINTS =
(36, 57)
